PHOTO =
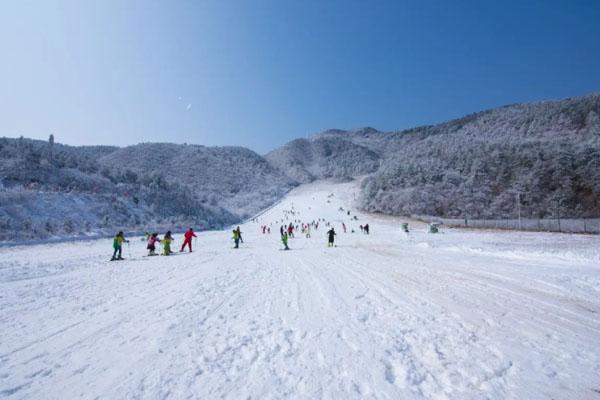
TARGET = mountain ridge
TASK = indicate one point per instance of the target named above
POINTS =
(472, 166)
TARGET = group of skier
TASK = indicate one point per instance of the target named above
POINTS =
(152, 240)
(286, 230)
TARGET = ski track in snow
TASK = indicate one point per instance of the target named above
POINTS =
(458, 315)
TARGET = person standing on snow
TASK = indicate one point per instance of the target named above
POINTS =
(239, 233)
(366, 228)
(167, 239)
(152, 244)
(118, 246)
(236, 239)
(188, 235)
(331, 237)
(284, 240)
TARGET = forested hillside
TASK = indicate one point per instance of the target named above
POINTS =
(51, 190)
(547, 154)
(544, 155)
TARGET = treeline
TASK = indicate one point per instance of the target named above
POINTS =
(543, 157)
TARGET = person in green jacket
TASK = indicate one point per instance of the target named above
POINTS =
(118, 246)
(167, 239)
(236, 238)
(284, 240)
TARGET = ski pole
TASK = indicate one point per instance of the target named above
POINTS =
(128, 250)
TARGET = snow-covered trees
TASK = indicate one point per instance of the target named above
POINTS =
(549, 152)
(81, 190)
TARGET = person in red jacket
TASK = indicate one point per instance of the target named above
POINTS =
(188, 235)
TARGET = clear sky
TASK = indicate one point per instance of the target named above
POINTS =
(258, 73)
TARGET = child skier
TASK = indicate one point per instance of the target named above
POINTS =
(284, 240)
(167, 239)
(188, 235)
(152, 244)
(331, 236)
(118, 246)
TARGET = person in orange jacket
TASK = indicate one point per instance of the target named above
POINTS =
(188, 235)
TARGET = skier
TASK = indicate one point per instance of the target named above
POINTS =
(167, 239)
(366, 228)
(118, 246)
(331, 234)
(188, 235)
(152, 244)
(236, 238)
(284, 240)
(239, 233)
(344, 226)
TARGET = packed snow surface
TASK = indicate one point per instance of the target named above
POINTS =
(455, 315)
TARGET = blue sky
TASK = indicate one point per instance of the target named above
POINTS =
(259, 73)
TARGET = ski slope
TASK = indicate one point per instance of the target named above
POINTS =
(458, 315)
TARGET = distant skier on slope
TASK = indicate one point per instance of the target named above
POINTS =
(152, 244)
(188, 235)
(284, 240)
(331, 237)
(239, 233)
(167, 240)
(118, 246)
(366, 228)
(236, 238)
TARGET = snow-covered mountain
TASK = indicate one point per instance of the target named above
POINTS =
(234, 178)
(52, 190)
(473, 167)
(331, 154)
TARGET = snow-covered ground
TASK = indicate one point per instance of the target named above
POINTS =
(459, 315)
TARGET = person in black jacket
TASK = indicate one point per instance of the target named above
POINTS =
(331, 237)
